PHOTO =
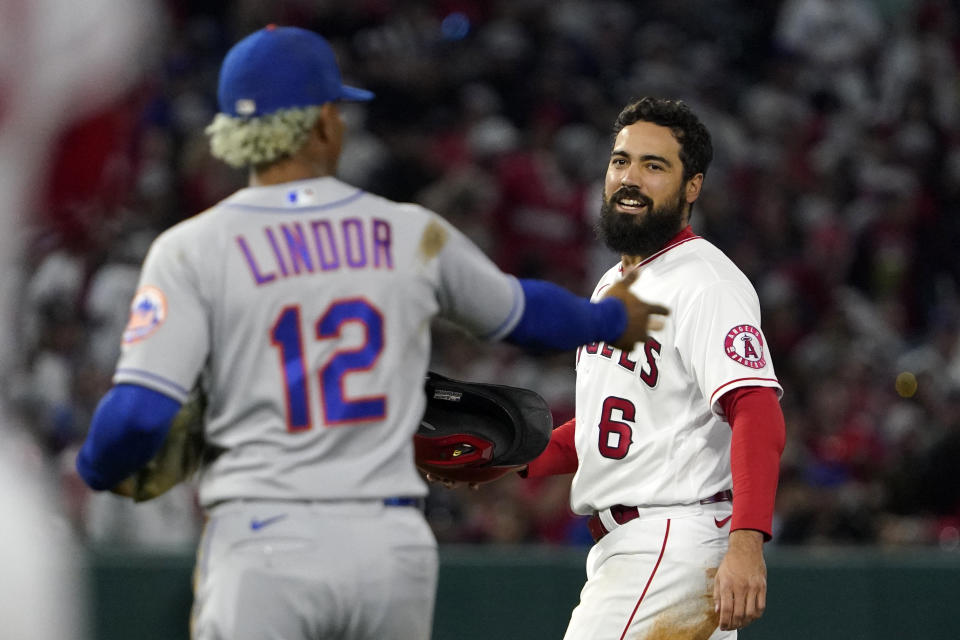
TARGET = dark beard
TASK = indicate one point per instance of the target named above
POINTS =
(639, 235)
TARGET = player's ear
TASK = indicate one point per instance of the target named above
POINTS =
(692, 188)
(328, 123)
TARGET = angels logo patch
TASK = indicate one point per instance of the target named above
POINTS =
(744, 344)
(147, 312)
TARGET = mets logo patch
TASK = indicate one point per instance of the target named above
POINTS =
(147, 312)
(744, 344)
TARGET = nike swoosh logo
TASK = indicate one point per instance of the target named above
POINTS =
(256, 525)
(424, 423)
(721, 522)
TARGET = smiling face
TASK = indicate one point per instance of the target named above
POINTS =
(646, 201)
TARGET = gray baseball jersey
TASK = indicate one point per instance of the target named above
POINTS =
(307, 307)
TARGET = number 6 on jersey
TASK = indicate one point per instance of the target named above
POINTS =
(287, 336)
(616, 436)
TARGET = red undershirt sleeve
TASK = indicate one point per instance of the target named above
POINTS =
(559, 457)
(758, 438)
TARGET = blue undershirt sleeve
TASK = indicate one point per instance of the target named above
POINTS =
(554, 318)
(127, 431)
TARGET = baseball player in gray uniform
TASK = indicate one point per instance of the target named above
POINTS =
(302, 306)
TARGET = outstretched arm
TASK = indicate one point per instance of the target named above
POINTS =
(554, 318)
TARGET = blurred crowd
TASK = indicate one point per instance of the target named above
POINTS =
(835, 187)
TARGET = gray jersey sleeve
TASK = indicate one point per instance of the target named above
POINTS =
(474, 293)
(167, 338)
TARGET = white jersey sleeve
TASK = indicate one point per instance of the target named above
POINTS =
(722, 343)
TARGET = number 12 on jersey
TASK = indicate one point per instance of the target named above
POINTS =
(286, 335)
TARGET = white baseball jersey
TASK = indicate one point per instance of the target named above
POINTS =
(649, 429)
(307, 307)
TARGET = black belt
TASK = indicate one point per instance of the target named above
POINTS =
(623, 515)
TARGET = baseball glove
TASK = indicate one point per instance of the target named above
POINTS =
(474, 432)
(180, 457)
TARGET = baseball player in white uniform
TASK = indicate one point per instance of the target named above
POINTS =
(302, 306)
(676, 443)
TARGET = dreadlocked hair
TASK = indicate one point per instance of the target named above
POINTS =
(257, 142)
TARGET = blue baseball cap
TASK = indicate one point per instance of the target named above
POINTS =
(281, 68)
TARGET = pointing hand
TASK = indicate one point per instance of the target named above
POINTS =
(639, 320)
